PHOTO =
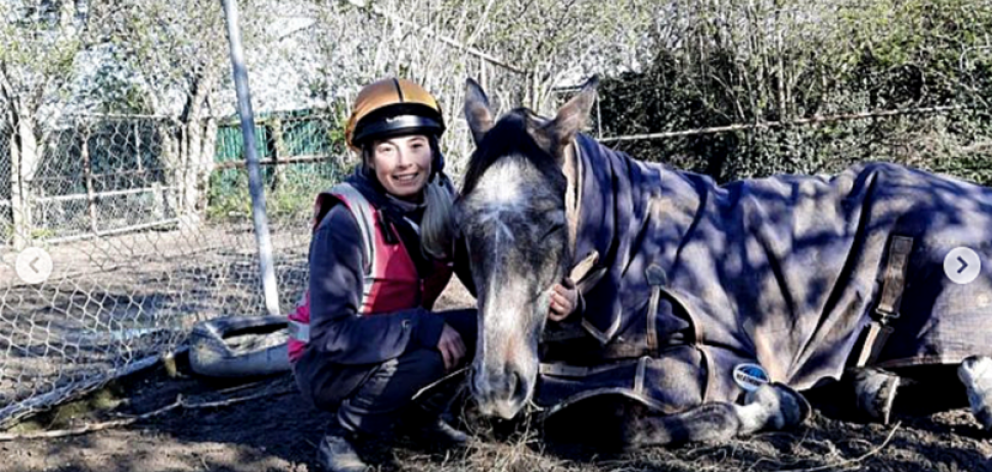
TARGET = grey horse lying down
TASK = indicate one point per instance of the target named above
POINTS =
(710, 306)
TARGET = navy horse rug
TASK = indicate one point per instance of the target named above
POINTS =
(782, 279)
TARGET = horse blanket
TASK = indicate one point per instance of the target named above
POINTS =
(783, 272)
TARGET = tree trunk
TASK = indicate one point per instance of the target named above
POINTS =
(201, 137)
(208, 147)
(783, 105)
(24, 157)
(16, 204)
(173, 169)
(196, 150)
(196, 140)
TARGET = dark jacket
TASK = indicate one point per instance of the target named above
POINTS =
(344, 345)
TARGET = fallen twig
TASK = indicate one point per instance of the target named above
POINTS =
(179, 403)
(848, 462)
(238, 388)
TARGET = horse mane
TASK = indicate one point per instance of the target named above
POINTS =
(510, 137)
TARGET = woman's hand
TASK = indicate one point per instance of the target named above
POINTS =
(451, 346)
(564, 298)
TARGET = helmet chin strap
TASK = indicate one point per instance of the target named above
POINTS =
(437, 160)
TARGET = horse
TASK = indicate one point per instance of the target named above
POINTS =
(712, 308)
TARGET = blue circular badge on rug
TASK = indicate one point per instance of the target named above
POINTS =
(750, 376)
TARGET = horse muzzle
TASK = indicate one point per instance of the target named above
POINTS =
(501, 392)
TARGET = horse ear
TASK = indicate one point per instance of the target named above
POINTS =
(574, 115)
(477, 111)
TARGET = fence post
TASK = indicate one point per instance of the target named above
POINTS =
(255, 184)
(137, 147)
(22, 162)
(88, 177)
(16, 239)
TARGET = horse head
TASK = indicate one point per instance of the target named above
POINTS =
(512, 218)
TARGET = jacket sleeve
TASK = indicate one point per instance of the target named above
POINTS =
(337, 329)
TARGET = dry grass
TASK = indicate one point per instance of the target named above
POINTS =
(280, 432)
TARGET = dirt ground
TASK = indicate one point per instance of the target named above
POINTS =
(275, 431)
(278, 432)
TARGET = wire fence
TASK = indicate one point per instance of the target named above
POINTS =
(146, 217)
(144, 208)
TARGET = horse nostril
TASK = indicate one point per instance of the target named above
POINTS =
(518, 386)
(512, 381)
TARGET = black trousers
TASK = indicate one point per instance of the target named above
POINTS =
(385, 394)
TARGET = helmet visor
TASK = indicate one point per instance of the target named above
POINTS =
(392, 126)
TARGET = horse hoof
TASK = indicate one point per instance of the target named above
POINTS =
(785, 406)
(976, 374)
(795, 406)
(875, 392)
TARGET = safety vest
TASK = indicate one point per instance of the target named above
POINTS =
(390, 281)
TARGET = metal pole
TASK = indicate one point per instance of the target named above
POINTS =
(255, 185)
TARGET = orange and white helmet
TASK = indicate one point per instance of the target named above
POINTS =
(393, 107)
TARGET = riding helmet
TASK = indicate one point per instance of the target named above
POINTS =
(392, 107)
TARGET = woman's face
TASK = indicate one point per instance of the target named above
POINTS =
(402, 164)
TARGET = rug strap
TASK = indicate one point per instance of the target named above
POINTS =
(893, 283)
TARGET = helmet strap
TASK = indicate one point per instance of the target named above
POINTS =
(437, 159)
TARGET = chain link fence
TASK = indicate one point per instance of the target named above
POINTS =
(146, 217)
(132, 269)
(113, 182)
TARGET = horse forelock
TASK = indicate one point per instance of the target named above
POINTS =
(509, 137)
(537, 119)
(512, 189)
(503, 190)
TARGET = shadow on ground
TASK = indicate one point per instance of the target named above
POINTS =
(276, 430)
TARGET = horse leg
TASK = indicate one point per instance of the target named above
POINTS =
(710, 422)
(769, 407)
(874, 391)
(975, 373)
(772, 407)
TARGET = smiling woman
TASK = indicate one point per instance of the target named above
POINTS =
(401, 164)
(364, 339)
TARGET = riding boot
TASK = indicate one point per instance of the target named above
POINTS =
(338, 451)
(976, 374)
(439, 433)
(423, 420)
(874, 392)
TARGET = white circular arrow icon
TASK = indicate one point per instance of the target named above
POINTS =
(33, 265)
(962, 265)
